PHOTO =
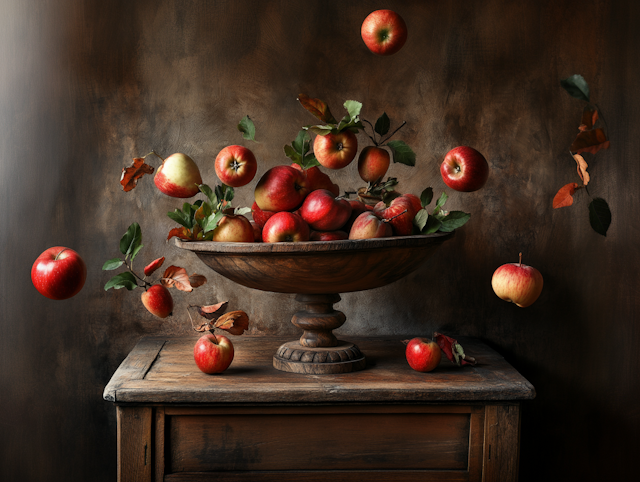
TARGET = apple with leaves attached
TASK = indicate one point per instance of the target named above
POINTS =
(423, 354)
(384, 32)
(373, 163)
(286, 227)
(464, 169)
(213, 353)
(335, 151)
(178, 176)
(368, 225)
(236, 166)
(517, 283)
(59, 273)
(233, 228)
(281, 188)
(158, 301)
(322, 211)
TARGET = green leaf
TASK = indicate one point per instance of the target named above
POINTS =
(599, 216)
(179, 217)
(248, 128)
(114, 263)
(242, 211)
(291, 153)
(211, 222)
(132, 240)
(320, 130)
(421, 218)
(453, 221)
(441, 200)
(576, 86)
(383, 124)
(402, 153)
(207, 191)
(432, 226)
(310, 161)
(353, 108)
(301, 142)
(426, 196)
(122, 280)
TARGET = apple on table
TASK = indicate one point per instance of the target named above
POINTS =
(423, 354)
(517, 283)
(384, 32)
(464, 169)
(178, 176)
(213, 353)
(59, 273)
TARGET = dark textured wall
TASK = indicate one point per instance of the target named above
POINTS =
(86, 85)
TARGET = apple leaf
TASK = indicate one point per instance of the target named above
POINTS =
(564, 197)
(248, 128)
(182, 218)
(402, 153)
(432, 226)
(182, 233)
(590, 141)
(420, 220)
(383, 124)
(131, 241)
(589, 118)
(153, 266)
(599, 216)
(353, 108)
(114, 263)
(211, 222)
(426, 196)
(320, 130)
(582, 169)
(131, 175)
(453, 221)
(234, 322)
(213, 312)
(197, 280)
(453, 350)
(176, 277)
(298, 151)
(576, 86)
(440, 202)
(318, 108)
(207, 191)
(122, 280)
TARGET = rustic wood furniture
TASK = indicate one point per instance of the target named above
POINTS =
(317, 272)
(256, 423)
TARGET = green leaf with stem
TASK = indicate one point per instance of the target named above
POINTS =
(420, 220)
(122, 280)
(114, 263)
(131, 241)
(181, 218)
(453, 221)
(248, 128)
(383, 124)
(242, 211)
(211, 222)
(426, 196)
(353, 108)
(402, 153)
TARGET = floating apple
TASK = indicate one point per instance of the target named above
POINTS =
(281, 188)
(158, 301)
(236, 166)
(322, 211)
(213, 353)
(517, 283)
(384, 32)
(373, 163)
(178, 176)
(423, 354)
(286, 227)
(368, 225)
(464, 169)
(335, 151)
(233, 229)
(59, 273)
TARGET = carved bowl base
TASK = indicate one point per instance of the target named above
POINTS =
(343, 358)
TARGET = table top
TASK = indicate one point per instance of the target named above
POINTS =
(161, 370)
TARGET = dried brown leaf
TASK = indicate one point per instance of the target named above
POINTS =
(589, 119)
(318, 108)
(176, 277)
(212, 312)
(197, 280)
(590, 141)
(582, 169)
(131, 175)
(564, 197)
(234, 322)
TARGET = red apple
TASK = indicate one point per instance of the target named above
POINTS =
(328, 235)
(373, 163)
(285, 227)
(281, 188)
(233, 228)
(260, 216)
(518, 283)
(370, 225)
(384, 32)
(236, 166)
(415, 201)
(464, 169)
(59, 273)
(318, 179)
(213, 354)
(158, 301)
(335, 151)
(322, 211)
(257, 232)
(357, 208)
(178, 176)
(423, 354)
(399, 214)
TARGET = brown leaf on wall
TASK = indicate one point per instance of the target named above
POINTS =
(582, 169)
(589, 118)
(317, 107)
(131, 174)
(564, 196)
(590, 141)
(176, 277)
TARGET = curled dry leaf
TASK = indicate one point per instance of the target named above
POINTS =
(186, 234)
(176, 277)
(589, 119)
(453, 350)
(590, 141)
(234, 322)
(196, 280)
(318, 108)
(582, 169)
(135, 171)
(154, 265)
(564, 197)
(212, 312)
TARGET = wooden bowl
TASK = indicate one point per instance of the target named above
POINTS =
(318, 267)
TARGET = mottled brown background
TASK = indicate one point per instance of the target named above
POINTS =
(85, 85)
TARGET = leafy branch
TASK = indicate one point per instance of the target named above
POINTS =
(439, 219)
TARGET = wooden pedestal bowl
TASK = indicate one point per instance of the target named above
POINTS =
(317, 272)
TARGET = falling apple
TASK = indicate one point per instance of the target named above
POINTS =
(59, 273)
(335, 151)
(178, 176)
(158, 301)
(373, 163)
(384, 32)
(236, 166)
(464, 169)
(517, 283)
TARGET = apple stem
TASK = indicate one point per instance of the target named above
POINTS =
(372, 130)
(520, 260)
(215, 338)
(155, 154)
(393, 133)
(399, 214)
(58, 255)
(145, 283)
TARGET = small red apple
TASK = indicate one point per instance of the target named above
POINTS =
(178, 176)
(322, 211)
(423, 354)
(335, 151)
(373, 163)
(399, 214)
(236, 166)
(59, 273)
(285, 227)
(384, 32)
(233, 229)
(464, 169)
(318, 179)
(368, 225)
(213, 354)
(260, 216)
(281, 188)
(518, 283)
(328, 235)
(158, 301)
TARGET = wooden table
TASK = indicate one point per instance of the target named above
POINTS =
(253, 422)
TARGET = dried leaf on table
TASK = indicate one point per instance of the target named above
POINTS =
(197, 280)
(131, 174)
(453, 350)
